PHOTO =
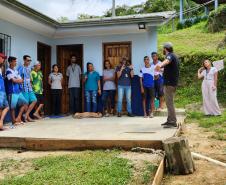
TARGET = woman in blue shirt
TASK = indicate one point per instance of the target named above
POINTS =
(92, 88)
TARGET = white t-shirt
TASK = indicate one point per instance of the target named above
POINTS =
(158, 72)
(56, 80)
(147, 73)
(109, 85)
(209, 75)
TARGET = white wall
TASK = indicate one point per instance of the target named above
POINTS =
(142, 44)
(23, 41)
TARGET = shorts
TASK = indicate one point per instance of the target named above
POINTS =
(40, 98)
(30, 96)
(16, 99)
(149, 92)
(3, 100)
(158, 89)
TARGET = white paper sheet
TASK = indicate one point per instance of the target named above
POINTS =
(219, 64)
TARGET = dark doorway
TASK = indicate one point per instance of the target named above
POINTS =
(64, 53)
(44, 56)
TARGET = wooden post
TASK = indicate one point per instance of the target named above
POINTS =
(178, 155)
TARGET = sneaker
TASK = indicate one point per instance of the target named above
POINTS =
(170, 126)
(166, 123)
(130, 115)
(151, 115)
(119, 114)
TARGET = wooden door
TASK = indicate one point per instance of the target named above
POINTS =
(44, 56)
(114, 52)
(64, 60)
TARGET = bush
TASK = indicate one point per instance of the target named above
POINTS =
(217, 20)
(190, 22)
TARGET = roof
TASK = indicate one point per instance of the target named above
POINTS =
(22, 12)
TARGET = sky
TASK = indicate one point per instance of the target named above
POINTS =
(72, 8)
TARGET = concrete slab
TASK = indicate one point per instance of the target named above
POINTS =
(111, 131)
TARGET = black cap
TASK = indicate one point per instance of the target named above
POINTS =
(11, 58)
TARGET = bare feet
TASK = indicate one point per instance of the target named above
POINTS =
(29, 119)
(16, 123)
(1, 125)
(36, 115)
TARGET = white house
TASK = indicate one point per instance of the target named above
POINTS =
(25, 31)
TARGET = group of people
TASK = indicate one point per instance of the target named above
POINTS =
(21, 89)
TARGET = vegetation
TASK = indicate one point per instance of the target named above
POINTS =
(217, 20)
(216, 124)
(193, 45)
(85, 168)
(149, 6)
(194, 40)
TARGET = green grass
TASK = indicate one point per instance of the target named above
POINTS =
(216, 124)
(193, 40)
(148, 173)
(87, 168)
(187, 95)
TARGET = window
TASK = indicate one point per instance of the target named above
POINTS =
(5, 44)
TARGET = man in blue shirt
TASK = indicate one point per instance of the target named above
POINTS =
(4, 106)
(13, 90)
(147, 85)
(25, 73)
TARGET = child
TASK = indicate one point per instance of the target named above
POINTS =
(147, 85)
(13, 89)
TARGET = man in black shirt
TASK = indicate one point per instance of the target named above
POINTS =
(171, 76)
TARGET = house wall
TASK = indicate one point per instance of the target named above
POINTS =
(142, 44)
(23, 41)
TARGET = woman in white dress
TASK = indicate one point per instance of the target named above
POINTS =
(209, 88)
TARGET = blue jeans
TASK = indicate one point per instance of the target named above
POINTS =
(127, 91)
(91, 98)
(106, 95)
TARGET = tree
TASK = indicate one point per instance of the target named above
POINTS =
(87, 16)
(63, 19)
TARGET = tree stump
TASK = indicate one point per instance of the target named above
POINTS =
(178, 155)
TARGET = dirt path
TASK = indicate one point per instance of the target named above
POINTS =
(207, 173)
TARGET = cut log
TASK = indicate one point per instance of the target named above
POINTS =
(178, 155)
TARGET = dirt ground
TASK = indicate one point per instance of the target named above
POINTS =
(206, 173)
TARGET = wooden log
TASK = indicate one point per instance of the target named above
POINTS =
(178, 155)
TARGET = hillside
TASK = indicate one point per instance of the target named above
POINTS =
(194, 40)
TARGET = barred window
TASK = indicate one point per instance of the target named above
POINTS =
(5, 44)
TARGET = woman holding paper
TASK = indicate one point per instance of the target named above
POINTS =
(209, 88)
